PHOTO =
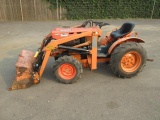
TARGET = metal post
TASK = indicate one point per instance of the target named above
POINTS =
(153, 9)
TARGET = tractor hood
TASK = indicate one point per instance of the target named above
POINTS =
(65, 32)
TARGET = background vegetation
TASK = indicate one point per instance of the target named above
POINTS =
(102, 9)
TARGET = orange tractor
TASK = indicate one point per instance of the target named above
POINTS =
(77, 47)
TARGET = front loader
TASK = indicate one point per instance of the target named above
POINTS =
(76, 47)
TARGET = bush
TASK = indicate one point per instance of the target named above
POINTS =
(102, 9)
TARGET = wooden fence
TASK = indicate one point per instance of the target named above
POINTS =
(25, 10)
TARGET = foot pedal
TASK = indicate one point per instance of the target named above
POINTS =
(102, 55)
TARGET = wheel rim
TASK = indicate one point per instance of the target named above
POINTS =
(131, 61)
(67, 71)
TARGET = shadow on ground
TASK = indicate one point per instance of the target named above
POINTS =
(103, 69)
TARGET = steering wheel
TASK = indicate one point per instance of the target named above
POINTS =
(90, 22)
(100, 24)
(95, 23)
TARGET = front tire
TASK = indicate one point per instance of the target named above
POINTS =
(128, 59)
(67, 69)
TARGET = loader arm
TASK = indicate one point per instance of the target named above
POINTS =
(30, 66)
(54, 45)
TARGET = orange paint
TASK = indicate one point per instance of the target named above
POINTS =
(67, 71)
(131, 61)
(60, 33)
(126, 39)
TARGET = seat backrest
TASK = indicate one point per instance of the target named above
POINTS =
(126, 28)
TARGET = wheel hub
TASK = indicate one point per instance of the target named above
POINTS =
(130, 61)
(67, 71)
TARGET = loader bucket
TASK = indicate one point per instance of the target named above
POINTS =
(23, 78)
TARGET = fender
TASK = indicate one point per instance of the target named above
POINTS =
(126, 39)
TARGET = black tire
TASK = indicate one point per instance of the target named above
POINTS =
(75, 67)
(120, 52)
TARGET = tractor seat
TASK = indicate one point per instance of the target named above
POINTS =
(124, 30)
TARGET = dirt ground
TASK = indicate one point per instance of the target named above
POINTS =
(98, 95)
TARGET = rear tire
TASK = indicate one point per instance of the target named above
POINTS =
(128, 59)
(67, 69)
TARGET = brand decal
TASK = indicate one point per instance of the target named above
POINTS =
(66, 30)
(64, 35)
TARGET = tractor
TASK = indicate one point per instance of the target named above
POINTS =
(82, 46)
